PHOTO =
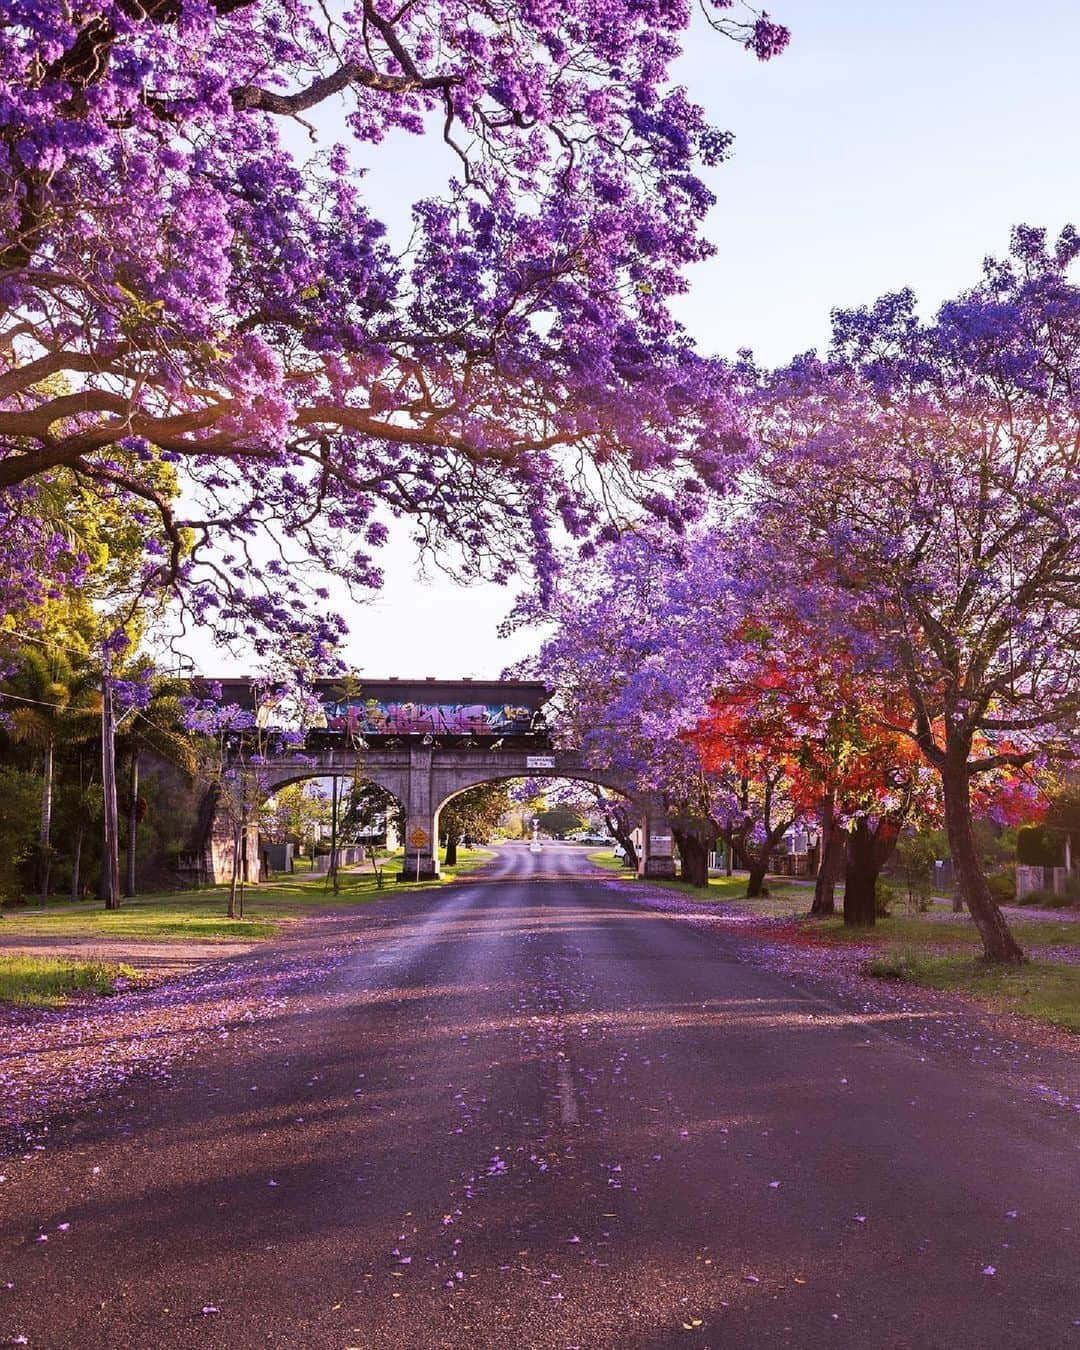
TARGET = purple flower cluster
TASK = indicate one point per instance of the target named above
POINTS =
(178, 287)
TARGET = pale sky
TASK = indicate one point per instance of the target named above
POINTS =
(893, 144)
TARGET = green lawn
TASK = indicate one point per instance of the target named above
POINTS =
(923, 930)
(46, 981)
(607, 860)
(200, 915)
(1039, 989)
(783, 901)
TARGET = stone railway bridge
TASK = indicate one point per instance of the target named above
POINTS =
(425, 770)
(424, 779)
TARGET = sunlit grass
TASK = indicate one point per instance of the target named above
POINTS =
(1039, 989)
(919, 930)
(606, 860)
(200, 915)
(47, 981)
(784, 899)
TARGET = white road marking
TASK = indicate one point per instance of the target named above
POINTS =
(567, 1101)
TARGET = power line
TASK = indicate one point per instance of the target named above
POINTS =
(22, 636)
(39, 702)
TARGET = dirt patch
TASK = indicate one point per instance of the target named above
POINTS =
(154, 960)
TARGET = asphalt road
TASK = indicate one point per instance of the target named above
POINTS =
(525, 1112)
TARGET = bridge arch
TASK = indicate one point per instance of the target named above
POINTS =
(424, 777)
(597, 778)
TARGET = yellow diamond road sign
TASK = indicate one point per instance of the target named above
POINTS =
(418, 838)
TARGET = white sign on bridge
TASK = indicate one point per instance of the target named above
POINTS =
(539, 761)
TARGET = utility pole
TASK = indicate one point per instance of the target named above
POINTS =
(333, 831)
(110, 863)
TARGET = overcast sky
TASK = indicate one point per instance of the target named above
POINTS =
(894, 144)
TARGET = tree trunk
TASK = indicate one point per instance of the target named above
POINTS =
(755, 882)
(832, 860)
(619, 828)
(45, 836)
(867, 851)
(451, 850)
(332, 875)
(860, 896)
(76, 862)
(244, 865)
(999, 945)
(694, 859)
(132, 823)
(235, 873)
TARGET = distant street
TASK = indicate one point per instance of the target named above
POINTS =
(526, 1112)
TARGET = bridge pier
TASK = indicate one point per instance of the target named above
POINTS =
(421, 842)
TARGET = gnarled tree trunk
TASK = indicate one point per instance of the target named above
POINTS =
(868, 850)
(694, 858)
(755, 882)
(451, 850)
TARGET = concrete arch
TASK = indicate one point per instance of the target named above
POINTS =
(423, 777)
(598, 779)
(581, 776)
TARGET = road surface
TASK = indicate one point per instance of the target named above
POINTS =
(525, 1112)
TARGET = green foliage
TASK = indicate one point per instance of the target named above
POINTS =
(46, 981)
(1039, 846)
(884, 898)
(299, 811)
(891, 966)
(915, 855)
(475, 813)
(1003, 886)
(1044, 898)
(560, 820)
(365, 805)
(20, 793)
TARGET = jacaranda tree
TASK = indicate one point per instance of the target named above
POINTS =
(178, 284)
(927, 477)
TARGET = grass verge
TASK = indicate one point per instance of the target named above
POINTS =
(47, 981)
(200, 916)
(1038, 989)
(918, 930)
(783, 901)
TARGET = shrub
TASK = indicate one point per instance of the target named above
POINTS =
(1003, 885)
(1045, 899)
(915, 854)
(893, 966)
(884, 898)
(1039, 846)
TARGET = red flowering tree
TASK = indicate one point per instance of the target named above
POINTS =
(927, 476)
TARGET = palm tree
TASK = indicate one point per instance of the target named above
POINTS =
(52, 700)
